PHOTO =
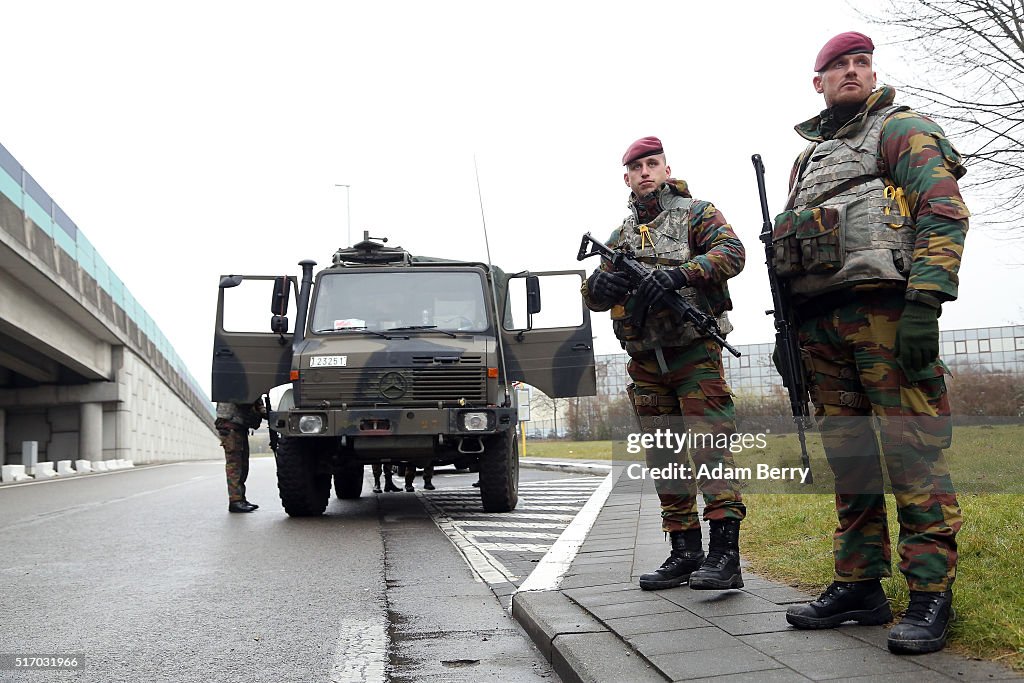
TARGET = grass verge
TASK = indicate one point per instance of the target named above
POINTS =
(788, 537)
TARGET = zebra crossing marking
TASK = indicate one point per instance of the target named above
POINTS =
(481, 537)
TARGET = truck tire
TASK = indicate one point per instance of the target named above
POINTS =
(348, 482)
(303, 487)
(499, 473)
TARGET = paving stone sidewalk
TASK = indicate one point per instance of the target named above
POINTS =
(599, 626)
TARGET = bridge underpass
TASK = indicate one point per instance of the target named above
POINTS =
(84, 371)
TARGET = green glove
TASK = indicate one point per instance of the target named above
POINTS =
(917, 337)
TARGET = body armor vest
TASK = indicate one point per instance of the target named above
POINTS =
(666, 244)
(845, 226)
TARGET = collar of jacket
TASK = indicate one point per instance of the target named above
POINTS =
(879, 99)
(673, 187)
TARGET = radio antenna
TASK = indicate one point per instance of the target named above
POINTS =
(494, 291)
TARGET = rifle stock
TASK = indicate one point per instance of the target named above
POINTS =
(786, 341)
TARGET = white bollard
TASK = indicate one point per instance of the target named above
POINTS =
(82, 466)
(64, 468)
(9, 473)
(43, 470)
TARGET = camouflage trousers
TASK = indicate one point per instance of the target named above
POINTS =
(235, 441)
(691, 398)
(868, 411)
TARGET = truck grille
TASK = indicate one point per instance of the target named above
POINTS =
(407, 386)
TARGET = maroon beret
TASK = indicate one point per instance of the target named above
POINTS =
(848, 43)
(644, 147)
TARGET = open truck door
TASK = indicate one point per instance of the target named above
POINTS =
(546, 333)
(252, 341)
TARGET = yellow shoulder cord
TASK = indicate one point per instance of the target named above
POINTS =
(896, 194)
(645, 234)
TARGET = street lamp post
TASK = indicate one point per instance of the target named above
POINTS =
(348, 210)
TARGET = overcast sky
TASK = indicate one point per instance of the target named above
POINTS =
(192, 139)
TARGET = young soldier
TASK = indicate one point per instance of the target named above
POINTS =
(677, 373)
(871, 241)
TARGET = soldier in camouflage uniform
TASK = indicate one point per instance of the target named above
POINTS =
(234, 420)
(871, 243)
(678, 378)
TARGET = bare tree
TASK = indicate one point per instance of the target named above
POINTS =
(971, 81)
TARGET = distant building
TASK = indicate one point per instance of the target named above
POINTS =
(993, 349)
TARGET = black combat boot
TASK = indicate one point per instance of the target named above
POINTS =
(721, 569)
(860, 601)
(925, 625)
(686, 556)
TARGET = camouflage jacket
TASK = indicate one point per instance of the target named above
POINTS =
(246, 416)
(914, 154)
(716, 253)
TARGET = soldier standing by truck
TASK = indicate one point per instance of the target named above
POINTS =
(234, 420)
(677, 372)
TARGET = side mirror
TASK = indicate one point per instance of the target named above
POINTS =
(532, 294)
(279, 300)
(279, 324)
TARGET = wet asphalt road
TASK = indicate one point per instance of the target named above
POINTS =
(146, 574)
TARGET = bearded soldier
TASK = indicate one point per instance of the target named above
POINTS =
(871, 243)
(677, 375)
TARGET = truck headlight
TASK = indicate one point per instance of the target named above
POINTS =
(475, 422)
(311, 424)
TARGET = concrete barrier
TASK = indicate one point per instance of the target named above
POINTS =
(43, 470)
(83, 466)
(64, 468)
(9, 473)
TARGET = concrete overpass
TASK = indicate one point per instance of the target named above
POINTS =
(84, 371)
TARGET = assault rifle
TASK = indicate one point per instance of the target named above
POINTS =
(786, 342)
(624, 261)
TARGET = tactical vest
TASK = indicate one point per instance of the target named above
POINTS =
(666, 245)
(845, 226)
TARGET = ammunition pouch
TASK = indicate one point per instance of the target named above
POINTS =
(809, 241)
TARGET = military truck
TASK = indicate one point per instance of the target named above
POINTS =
(386, 357)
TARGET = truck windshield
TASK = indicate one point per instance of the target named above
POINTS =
(419, 299)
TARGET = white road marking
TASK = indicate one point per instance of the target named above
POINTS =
(485, 567)
(552, 567)
(515, 548)
(509, 525)
(515, 515)
(510, 534)
(361, 651)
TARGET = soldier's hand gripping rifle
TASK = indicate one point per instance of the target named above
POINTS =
(786, 342)
(623, 261)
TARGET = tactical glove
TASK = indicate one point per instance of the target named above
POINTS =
(607, 287)
(659, 283)
(917, 337)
